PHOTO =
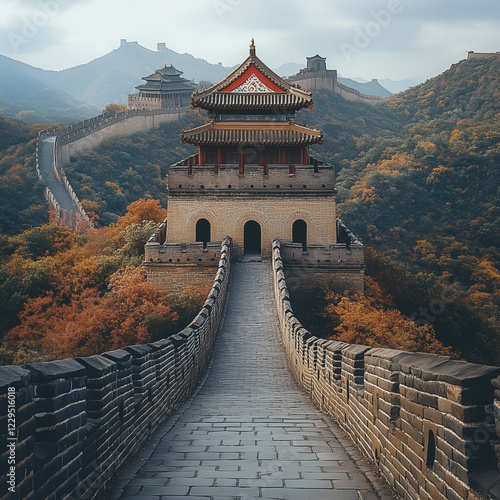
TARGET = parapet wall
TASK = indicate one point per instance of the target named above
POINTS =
(279, 178)
(354, 95)
(87, 135)
(73, 423)
(425, 421)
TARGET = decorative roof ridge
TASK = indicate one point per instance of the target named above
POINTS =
(263, 68)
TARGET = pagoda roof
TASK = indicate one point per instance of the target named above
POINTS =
(252, 86)
(316, 57)
(166, 79)
(252, 134)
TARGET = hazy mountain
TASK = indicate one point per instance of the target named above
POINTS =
(288, 69)
(73, 94)
(369, 88)
(24, 95)
(396, 86)
(70, 95)
(112, 77)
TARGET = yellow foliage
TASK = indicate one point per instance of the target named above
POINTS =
(114, 186)
(396, 164)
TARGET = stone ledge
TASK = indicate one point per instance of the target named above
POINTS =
(441, 368)
(13, 376)
(63, 368)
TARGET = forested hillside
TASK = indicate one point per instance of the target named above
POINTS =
(22, 202)
(418, 182)
(128, 168)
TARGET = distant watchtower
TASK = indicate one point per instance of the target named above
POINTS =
(164, 89)
(252, 178)
(316, 63)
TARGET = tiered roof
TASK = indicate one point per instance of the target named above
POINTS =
(166, 79)
(252, 86)
(252, 134)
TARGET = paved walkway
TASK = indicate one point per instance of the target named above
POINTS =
(248, 431)
(46, 166)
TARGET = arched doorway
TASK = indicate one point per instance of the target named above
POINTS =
(299, 233)
(252, 237)
(203, 231)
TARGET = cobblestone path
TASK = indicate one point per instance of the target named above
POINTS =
(46, 166)
(248, 431)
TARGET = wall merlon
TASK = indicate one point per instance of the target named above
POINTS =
(204, 178)
(93, 413)
(427, 421)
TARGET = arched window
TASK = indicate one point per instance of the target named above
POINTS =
(252, 237)
(203, 232)
(299, 233)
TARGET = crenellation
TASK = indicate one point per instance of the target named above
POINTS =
(80, 420)
(316, 77)
(428, 422)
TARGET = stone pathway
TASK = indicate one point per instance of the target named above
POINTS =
(46, 166)
(248, 431)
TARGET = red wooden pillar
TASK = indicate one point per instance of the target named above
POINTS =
(282, 156)
(262, 158)
(219, 156)
(304, 156)
(241, 162)
(202, 156)
(291, 169)
(262, 161)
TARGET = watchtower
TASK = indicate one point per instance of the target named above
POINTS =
(252, 178)
(163, 89)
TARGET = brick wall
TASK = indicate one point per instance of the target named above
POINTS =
(429, 423)
(274, 214)
(79, 420)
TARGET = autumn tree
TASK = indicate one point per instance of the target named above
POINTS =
(90, 324)
(116, 108)
(358, 321)
(141, 211)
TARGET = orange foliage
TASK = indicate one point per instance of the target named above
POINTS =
(359, 320)
(140, 211)
(89, 324)
(398, 163)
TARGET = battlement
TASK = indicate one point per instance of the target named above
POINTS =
(482, 55)
(188, 177)
(430, 424)
(80, 420)
(226, 178)
(330, 257)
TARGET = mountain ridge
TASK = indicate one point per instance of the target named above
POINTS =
(82, 91)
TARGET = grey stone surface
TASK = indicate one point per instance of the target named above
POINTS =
(247, 431)
(56, 185)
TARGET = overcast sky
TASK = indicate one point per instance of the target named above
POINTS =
(361, 38)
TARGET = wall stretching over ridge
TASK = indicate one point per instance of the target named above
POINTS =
(77, 421)
(430, 424)
(89, 134)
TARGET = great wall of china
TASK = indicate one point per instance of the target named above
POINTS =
(79, 420)
(56, 146)
(429, 424)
